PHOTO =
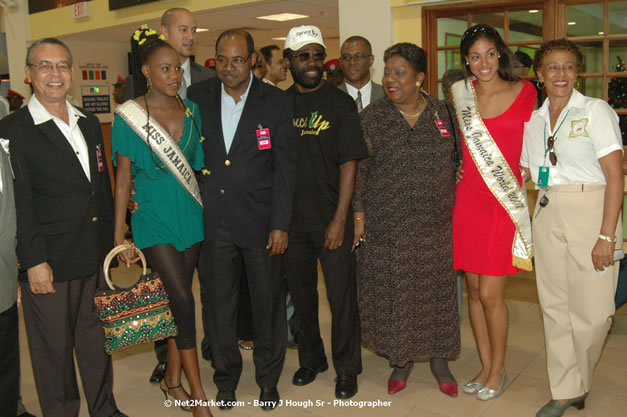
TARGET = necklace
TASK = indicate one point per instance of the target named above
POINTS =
(412, 116)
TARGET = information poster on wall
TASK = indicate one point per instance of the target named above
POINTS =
(95, 93)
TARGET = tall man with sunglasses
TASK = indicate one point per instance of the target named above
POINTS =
(247, 189)
(330, 142)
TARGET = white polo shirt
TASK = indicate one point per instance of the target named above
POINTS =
(71, 131)
(589, 131)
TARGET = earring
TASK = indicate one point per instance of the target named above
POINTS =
(148, 83)
(418, 84)
(499, 56)
(577, 85)
(540, 84)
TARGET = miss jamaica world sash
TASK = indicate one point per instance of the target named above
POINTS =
(162, 144)
(495, 170)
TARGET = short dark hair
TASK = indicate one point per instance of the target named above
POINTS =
(357, 38)
(52, 41)
(250, 44)
(266, 52)
(557, 45)
(482, 31)
(524, 59)
(414, 54)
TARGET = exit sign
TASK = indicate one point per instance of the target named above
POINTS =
(80, 10)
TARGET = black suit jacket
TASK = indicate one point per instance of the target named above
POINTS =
(251, 189)
(62, 217)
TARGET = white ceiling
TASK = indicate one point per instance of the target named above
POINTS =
(323, 13)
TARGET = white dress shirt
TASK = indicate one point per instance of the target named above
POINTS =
(231, 113)
(71, 131)
(589, 131)
(366, 92)
(187, 72)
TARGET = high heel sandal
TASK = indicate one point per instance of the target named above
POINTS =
(166, 391)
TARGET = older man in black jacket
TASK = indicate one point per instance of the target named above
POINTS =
(64, 229)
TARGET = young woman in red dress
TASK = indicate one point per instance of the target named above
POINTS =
(483, 230)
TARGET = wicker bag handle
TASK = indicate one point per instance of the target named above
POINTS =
(111, 255)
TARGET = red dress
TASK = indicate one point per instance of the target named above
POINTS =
(483, 232)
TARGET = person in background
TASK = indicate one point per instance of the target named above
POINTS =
(449, 78)
(573, 152)
(333, 70)
(491, 226)
(64, 226)
(521, 65)
(357, 59)
(210, 63)
(275, 65)
(118, 90)
(408, 297)
(259, 69)
(15, 100)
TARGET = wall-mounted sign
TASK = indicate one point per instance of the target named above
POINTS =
(81, 9)
(96, 98)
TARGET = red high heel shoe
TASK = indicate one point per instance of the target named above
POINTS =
(449, 388)
(396, 385)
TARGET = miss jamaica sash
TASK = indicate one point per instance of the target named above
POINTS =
(162, 144)
(495, 171)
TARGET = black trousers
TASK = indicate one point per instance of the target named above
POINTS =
(58, 326)
(338, 267)
(221, 263)
(9, 362)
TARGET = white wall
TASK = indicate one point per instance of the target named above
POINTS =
(111, 54)
(371, 19)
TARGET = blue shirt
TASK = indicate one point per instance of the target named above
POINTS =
(231, 113)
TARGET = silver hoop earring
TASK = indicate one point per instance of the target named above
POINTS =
(577, 85)
(540, 85)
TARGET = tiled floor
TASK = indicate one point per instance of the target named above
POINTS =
(527, 390)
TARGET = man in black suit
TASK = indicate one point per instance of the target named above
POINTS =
(247, 190)
(64, 229)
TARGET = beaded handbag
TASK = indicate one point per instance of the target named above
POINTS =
(135, 315)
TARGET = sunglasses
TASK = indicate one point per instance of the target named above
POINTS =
(305, 56)
(552, 156)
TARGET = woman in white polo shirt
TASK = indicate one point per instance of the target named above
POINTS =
(573, 152)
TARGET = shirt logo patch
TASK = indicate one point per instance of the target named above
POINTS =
(579, 128)
(311, 125)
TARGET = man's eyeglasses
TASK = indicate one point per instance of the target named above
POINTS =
(357, 58)
(550, 144)
(46, 67)
(305, 56)
(236, 61)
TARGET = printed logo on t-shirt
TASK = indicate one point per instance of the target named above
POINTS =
(311, 125)
(579, 128)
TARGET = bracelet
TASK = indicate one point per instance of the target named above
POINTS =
(607, 238)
